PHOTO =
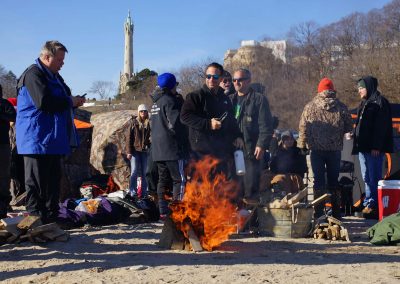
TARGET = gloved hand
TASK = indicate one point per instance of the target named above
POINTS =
(304, 151)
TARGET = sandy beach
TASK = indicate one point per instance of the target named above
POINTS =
(128, 253)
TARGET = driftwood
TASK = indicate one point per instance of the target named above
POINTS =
(30, 228)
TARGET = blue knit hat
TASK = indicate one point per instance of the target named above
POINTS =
(166, 80)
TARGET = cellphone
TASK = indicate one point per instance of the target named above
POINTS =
(84, 95)
(223, 116)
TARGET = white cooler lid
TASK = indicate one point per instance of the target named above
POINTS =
(389, 183)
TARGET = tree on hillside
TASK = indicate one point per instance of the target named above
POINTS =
(191, 77)
(104, 89)
(9, 82)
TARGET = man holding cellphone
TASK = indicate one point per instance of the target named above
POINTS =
(45, 129)
(254, 119)
(201, 112)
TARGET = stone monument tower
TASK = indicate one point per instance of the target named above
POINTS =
(127, 74)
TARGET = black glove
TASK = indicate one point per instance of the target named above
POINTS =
(304, 151)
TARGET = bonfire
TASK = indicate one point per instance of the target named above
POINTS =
(208, 204)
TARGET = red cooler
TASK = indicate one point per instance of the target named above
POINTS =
(388, 197)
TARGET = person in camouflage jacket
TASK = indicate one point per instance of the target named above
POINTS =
(323, 123)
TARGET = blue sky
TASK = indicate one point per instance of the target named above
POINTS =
(168, 33)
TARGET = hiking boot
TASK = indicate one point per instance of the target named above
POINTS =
(370, 213)
(250, 201)
(366, 210)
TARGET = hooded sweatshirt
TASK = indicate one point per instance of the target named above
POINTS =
(323, 123)
(374, 121)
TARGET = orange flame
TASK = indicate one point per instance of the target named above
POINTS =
(208, 204)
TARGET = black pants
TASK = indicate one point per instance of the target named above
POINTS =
(42, 183)
(167, 171)
(251, 180)
(5, 195)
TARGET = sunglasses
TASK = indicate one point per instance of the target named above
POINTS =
(240, 80)
(227, 80)
(215, 76)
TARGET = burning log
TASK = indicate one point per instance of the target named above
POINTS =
(171, 237)
(207, 206)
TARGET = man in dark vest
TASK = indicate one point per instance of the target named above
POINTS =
(255, 122)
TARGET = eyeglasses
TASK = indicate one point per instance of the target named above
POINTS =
(240, 80)
(215, 76)
(227, 80)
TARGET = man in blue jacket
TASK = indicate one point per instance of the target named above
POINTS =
(45, 128)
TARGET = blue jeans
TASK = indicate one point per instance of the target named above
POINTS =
(328, 161)
(371, 171)
(138, 161)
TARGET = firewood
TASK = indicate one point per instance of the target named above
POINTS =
(178, 244)
(13, 230)
(52, 235)
(26, 236)
(328, 232)
(29, 222)
(333, 220)
(169, 234)
(320, 199)
(12, 239)
(194, 240)
(11, 221)
(321, 236)
(299, 196)
(4, 234)
(63, 238)
(344, 235)
(335, 231)
(44, 228)
(38, 240)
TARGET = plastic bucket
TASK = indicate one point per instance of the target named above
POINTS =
(388, 197)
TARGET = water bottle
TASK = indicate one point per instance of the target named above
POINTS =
(239, 163)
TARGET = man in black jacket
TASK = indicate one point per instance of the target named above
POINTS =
(166, 139)
(372, 139)
(7, 114)
(202, 112)
(255, 122)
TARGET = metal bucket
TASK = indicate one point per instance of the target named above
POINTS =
(285, 223)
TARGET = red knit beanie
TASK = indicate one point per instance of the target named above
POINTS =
(13, 101)
(325, 84)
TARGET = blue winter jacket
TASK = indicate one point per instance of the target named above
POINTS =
(44, 123)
